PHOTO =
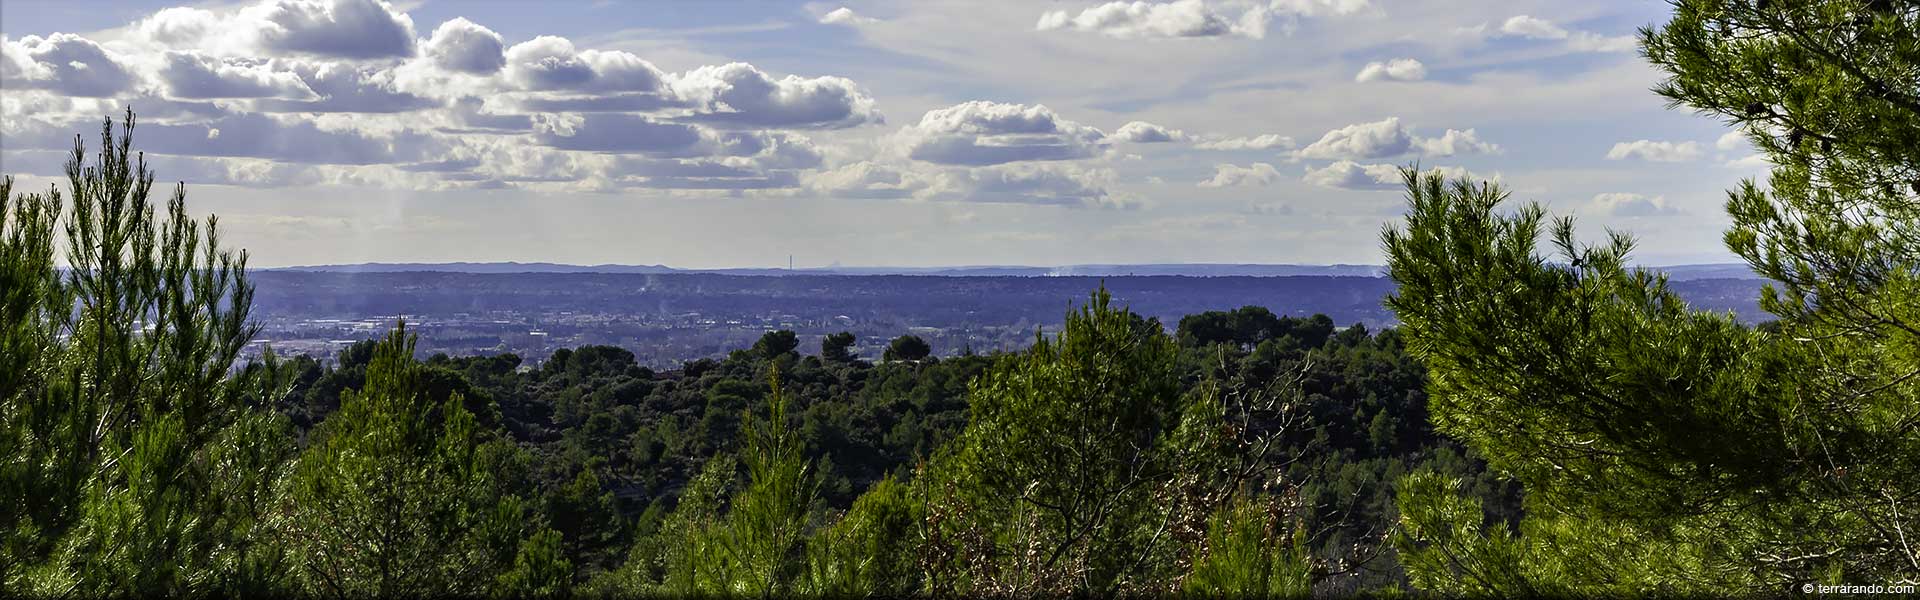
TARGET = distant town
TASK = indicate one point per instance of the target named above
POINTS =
(669, 318)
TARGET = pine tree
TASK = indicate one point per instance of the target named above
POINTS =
(1050, 487)
(400, 495)
(1765, 456)
(129, 435)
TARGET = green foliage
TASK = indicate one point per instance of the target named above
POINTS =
(872, 550)
(1252, 551)
(127, 434)
(1742, 458)
(1249, 326)
(908, 348)
(776, 344)
(540, 570)
(1055, 473)
(1448, 548)
(1757, 458)
(401, 495)
(766, 531)
(837, 348)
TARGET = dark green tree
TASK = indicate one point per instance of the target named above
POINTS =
(837, 348)
(776, 344)
(907, 348)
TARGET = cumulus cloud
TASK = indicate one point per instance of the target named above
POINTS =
(466, 47)
(1177, 19)
(1399, 69)
(550, 63)
(616, 133)
(251, 136)
(347, 88)
(737, 94)
(1629, 205)
(1732, 140)
(1751, 162)
(1388, 138)
(845, 16)
(1266, 141)
(1649, 150)
(1378, 139)
(1227, 175)
(65, 64)
(196, 76)
(868, 179)
(1142, 132)
(1350, 175)
(1347, 174)
(1455, 141)
(982, 133)
(360, 29)
(1535, 28)
(1532, 28)
(1067, 185)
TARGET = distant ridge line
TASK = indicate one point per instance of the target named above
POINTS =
(1677, 272)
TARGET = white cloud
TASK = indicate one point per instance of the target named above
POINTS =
(1378, 139)
(1227, 175)
(1399, 69)
(1629, 205)
(1455, 141)
(1751, 162)
(347, 88)
(1177, 19)
(1265, 141)
(65, 64)
(1143, 132)
(845, 16)
(1059, 185)
(981, 133)
(737, 94)
(196, 76)
(1347, 174)
(1732, 140)
(1649, 150)
(550, 63)
(616, 133)
(1350, 175)
(1388, 138)
(359, 29)
(867, 179)
(464, 46)
(1535, 28)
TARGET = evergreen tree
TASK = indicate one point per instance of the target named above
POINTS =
(1051, 486)
(138, 461)
(399, 495)
(1764, 457)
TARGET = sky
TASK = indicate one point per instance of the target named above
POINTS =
(922, 133)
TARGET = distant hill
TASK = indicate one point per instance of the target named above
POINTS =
(1676, 272)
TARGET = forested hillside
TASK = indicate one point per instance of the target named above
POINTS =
(1546, 422)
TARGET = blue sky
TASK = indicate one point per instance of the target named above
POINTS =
(718, 134)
